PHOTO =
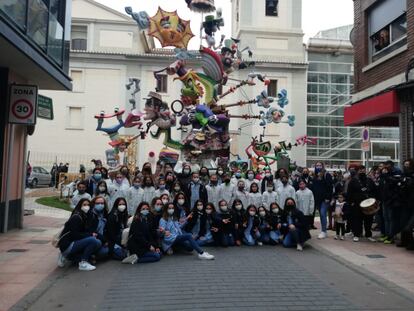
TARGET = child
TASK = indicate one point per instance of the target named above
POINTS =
(250, 223)
(269, 196)
(135, 195)
(305, 201)
(255, 197)
(339, 217)
(161, 188)
(264, 227)
(240, 193)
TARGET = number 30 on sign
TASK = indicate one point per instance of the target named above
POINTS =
(23, 100)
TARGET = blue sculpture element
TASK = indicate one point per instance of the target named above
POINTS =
(282, 99)
(142, 18)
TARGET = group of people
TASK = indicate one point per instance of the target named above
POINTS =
(142, 215)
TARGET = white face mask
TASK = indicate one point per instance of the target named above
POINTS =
(181, 201)
(85, 208)
(200, 208)
(102, 189)
(170, 211)
(209, 211)
(121, 208)
(268, 175)
(262, 213)
(250, 176)
(275, 210)
(270, 189)
(238, 207)
(165, 201)
(224, 208)
(252, 213)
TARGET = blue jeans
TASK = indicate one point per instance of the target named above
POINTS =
(291, 239)
(149, 257)
(275, 237)
(249, 240)
(323, 211)
(264, 237)
(186, 240)
(227, 239)
(387, 216)
(205, 242)
(83, 249)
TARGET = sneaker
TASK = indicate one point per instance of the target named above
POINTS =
(388, 241)
(322, 235)
(130, 259)
(371, 239)
(205, 256)
(355, 239)
(170, 251)
(299, 248)
(349, 235)
(61, 261)
(86, 266)
(342, 238)
(382, 238)
(260, 243)
(336, 237)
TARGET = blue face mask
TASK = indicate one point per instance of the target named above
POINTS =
(137, 186)
(97, 176)
(144, 212)
(162, 187)
(238, 175)
(99, 207)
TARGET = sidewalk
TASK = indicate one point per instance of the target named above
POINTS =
(26, 256)
(394, 264)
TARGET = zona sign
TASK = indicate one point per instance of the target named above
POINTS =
(22, 109)
(23, 100)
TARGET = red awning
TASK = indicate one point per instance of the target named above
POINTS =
(379, 110)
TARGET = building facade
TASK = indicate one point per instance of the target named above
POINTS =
(383, 39)
(34, 51)
(330, 87)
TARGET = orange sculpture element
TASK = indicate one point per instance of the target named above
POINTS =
(170, 29)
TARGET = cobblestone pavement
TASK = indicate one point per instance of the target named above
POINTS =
(43, 210)
(258, 278)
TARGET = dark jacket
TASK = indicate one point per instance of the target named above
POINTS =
(142, 235)
(255, 226)
(264, 224)
(113, 230)
(193, 220)
(299, 220)
(322, 189)
(202, 193)
(226, 228)
(75, 229)
(92, 224)
(360, 189)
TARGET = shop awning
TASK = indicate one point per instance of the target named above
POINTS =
(378, 110)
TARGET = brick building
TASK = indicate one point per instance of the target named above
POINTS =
(383, 39)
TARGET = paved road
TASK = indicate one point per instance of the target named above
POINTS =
(259, 278)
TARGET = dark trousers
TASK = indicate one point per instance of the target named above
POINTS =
(340, 228)
(361, 221)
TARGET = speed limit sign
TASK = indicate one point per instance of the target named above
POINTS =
(23, 99)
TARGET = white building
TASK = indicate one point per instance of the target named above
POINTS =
(107, 49)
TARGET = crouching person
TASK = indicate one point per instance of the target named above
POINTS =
(298, 232)
(142, 242)
(76, 243)
(116, 223)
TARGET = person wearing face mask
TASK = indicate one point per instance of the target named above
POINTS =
(149, 189)
(241, 194)
(143, 239)
(250, 178)
(251, 226)
(226, 225)
(195, 190)
(173, 235)
(213, 190)
(226, 190)
(209, 227)
(176, 188)
(298, 232)
(267, 178)
(102, 190)
(135, 195)
(193, 225)
(185, 176)
(237, 176)
(156, 209)
(80, 193)
(94, 180)
(264, 227)
(360, 188)
(269, 196)
(285, 190)
(180, 202)
(116, 223)
(169, 181)
(119, 189)
(97, 224)
(220, 175)
(305, 201)
(204, 176)
(277, 224)
(407, 216)
(238, 215)
(76, 243)
(124, 170)
(161, 188)
(255, 197)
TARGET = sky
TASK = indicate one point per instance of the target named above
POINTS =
(316, 14)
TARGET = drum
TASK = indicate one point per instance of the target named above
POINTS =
(369, 206)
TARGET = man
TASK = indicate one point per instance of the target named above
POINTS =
(213, 191)
(80, 193)
(196, 190)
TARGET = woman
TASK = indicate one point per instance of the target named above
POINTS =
(117, 222)
(264, 226)
(97, 220)
(149, 189)
(193, 225)
(169, 181)
(226, 225)
(176, 188)
(135, 195)
(251, 226)
(298, 232)
(277, 224)
(204, 176)
(76, 243)
(255, 197)
(238, 215)
(209, 229)
(172, 234)
(147, 169)
(102, 191)
(156, 209)
(142, 242)
(180, 202)
(119, 188)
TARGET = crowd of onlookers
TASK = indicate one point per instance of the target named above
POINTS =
(141, 215)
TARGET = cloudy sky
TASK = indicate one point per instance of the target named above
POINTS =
(317, 14)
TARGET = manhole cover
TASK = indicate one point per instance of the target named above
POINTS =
(17, 250)
(33, 230)
(375, 256)
(38, 242)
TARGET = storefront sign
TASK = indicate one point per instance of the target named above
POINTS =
(23, 102)
(366, 144)
(44, 107)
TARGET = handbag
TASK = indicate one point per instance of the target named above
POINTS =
(57, 237)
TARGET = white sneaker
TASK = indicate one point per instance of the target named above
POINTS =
(86, 266)
(342, 238)
(371, 239)
(356, 239)
(322, 235)
(336, 237)
(170, 251)
(205, 256)
(299, 248)
(260, 243)
(349, 235)
(61, 261)
(130, 259)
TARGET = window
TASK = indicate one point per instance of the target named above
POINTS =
(387, 27)
(79, 37)
(37, 22)
(78, 84)
(272, 7)
(272, 88)
(15, 10)
(162, 84)
(74, 118)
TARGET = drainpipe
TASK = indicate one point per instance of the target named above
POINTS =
(8, 178)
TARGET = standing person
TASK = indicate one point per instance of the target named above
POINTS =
(135, 195)
(116, 223)
(149, 189)
(146, 169)
(298, 232)
(285, 190)
(161, 188)
(53, 173)
(238, 215)
(119, 188)
(182, 205)
(176, 188)
(185, 176)
(225, 224)
(102, 191)
(124, 170)
(220, 175)
(255, 197)
(76, 243)
(227, 190)
(237, 176)
(80, 193)
(305, 201)
(170, 181)
(264, 226)
(251, 178)
(269, 196)
(251, 226)
(322, 191)
(213, 190)
(195, 190)
(276, 223)
(94, 180)
(143, 240)
(172, 234)
(241, 194)
(339, 216)
(360, 188)
(204, 176)
(268, 178)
